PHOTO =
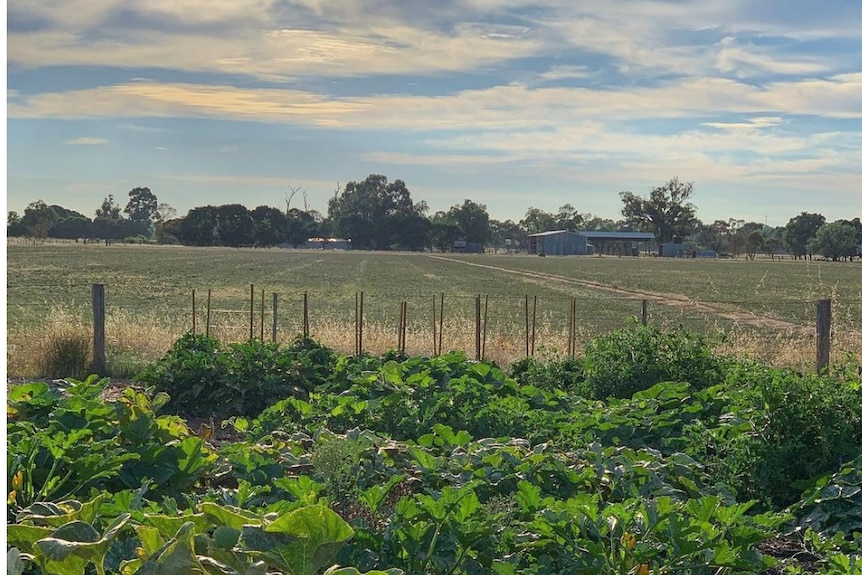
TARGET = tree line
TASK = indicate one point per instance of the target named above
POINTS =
(378, 214)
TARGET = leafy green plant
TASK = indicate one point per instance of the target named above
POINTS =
(634, 359)
(204, 378)
(834, 505)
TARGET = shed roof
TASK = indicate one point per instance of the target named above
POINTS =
(631, 236)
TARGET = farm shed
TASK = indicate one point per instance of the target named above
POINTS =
(619, 243)
(557, 243)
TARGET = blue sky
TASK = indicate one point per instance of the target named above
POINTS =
(511, 104)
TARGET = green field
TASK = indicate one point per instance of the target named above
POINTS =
(149, 295)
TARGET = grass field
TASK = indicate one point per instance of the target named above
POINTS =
(763, 308)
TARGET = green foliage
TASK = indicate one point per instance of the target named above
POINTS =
(443, 465)
(64, 442)
(631, 360)
(804, 426)
(204, 378)
(834, 505)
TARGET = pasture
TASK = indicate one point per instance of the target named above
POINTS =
(763, 308)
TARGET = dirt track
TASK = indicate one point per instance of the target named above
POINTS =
(669, 300)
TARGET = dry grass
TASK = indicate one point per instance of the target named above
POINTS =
(133, 339)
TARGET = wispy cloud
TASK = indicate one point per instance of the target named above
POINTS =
(85, 141)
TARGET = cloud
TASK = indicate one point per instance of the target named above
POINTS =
(497, 108)
(85, 141)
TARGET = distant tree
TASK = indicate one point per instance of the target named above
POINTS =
(14, 227)
(799, 231)
(269, 226)
(169, 231)
(597, 224)
(374, 213)
(835, 241)
(109, 209)
(667, 212)
(142, 211)
(234, 225)
(444, 231)
(38, 219)
(473, 220)
(508, 230)
(200, 227)
(568, 218)
(72, 228)
(536, 221)
(299, 226)
(165, 212)
(753, 242)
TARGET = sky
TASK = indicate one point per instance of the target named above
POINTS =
(510, 104)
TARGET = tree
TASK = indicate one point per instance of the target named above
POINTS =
(536, 221)
(473, 220)
(667, 212)
(444, 231)
(299, 226)
(200, 227)
(268, 226)
(568, 218)
(799, 231)
(14, 227)
(38, 219)
(109, 209)
(374, 213)
(753, 242)
(836, 240)
(234, 225)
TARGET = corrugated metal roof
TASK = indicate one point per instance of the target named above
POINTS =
(552, 233)
(619, 235)
(642, 236)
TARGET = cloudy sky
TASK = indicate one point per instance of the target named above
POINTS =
(511, 104)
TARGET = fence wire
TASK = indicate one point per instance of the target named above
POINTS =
(147, 319)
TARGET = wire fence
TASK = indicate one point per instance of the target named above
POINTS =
(490, 327)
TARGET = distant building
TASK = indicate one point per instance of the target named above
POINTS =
(327, 244)
(569, 243)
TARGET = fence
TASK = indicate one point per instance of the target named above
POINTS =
(498, 328)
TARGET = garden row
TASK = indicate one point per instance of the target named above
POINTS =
(651, 454)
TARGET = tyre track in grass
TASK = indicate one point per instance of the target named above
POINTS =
(668, 300)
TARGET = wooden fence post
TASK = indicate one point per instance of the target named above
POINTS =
(644, 314)
(527, 323)
(361, 318)
(251, 314)
(824, 328)
(478, 327)
(434, 322)
(305, 328)
(533, 347)
(209, 302)
(99, 359)
(572, 309)
(440, 332)
(262, 306)
(485, 328)
(194, 314)
(274, 317)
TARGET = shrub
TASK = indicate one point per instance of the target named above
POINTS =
(804, 425)
(66, 355)
(566, 374)
(205, 379)
(634, 359)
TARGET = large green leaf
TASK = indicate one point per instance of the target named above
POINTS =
(73, 546)
(230, 516)
(177, 557)
(300, 542)
(168, 525)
